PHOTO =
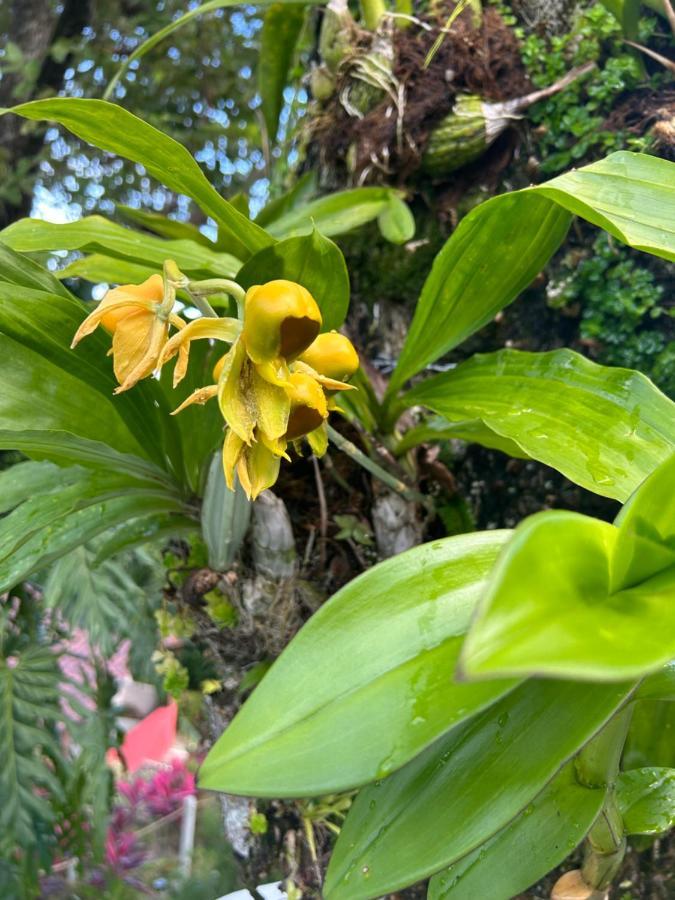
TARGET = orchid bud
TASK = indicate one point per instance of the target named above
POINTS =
(308, 405)
(281, 319)
(332, 355)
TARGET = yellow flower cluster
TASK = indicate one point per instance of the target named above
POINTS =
(274, 385)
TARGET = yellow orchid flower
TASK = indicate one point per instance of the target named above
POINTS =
(281, 319)
(138, 317)
(273, 385)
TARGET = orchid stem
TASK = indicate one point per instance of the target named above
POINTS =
(385, 477)
(218, 286)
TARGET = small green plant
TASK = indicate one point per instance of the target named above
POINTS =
(569, 124)
(624, 314)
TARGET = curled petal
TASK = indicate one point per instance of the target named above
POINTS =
(273, 406)
(232, 449)
(200, 396)
(274, 445)
(94, 319)
(330, 384)
(137, 345)
(235, 393)
(258, 469)
(207, 327)
(318, 440)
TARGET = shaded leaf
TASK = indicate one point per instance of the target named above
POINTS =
(646, 800)
(281, 29)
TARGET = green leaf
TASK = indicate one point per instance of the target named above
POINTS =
(646, 540)
(334, 214)
(16, 269)
(111, 128)
(537, 841)
(499, 247)
(108, 600)
(24, 479)
(313, 261)
(48, 386)
(225, 517)
(473, 431)
(164, 226)
(67, 449)
(80, 505)
(94, 234)
(651, 736)
(296, 196)
(467, 786)
(604, 428)
(29, 706)
(647, 800)
(98, 267)
(396, 222)
(375, 663)
(659, 685)
(554, 613)
(281, 30)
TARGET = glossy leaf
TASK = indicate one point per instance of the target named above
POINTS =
(396, 222)
(313, 261)
(549, 608)
(281, 29)
(334, 214)
(94, 234)
(112, 128)
(537, 840)
(604, 428)
(651, 736)
(299, 194)
(646, 800)
(98, 267)
(646, 539)
(48, 525)
(375, 664)
(225, 517)
(19, 270)
(473, 431)
(463, 789)
(659, 685)
(499, 247)
(47, 386)
(164, 226)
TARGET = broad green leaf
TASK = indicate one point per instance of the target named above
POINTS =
(97, 267)
(549, 608)
(16, 269)
(24, 479)
(313, 261)
(281, 30)
(111, 128)
(647, 800)
(467, 786)
(67, 449)
(659, 685)
(646, 539)
(499, 247)
(334, 214)
(48, 386)
(651, 736)
(474, 431)
(604, 428)
(40, 531)
(299, 194)
(537, 840)
(396, 222)
(164, 226)
(94, 234)
(376, 664)
(149, 529)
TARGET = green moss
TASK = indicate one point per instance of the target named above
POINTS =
(625, 319)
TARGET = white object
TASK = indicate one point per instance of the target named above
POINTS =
(270, 891)
(187, 834)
